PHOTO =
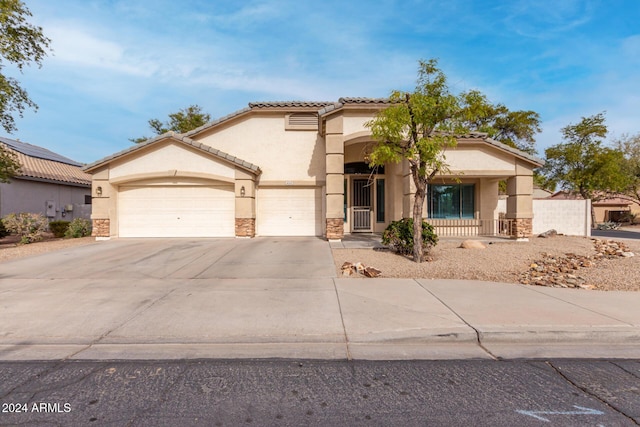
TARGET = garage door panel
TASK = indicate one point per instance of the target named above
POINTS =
(289, 211)
(176, 211)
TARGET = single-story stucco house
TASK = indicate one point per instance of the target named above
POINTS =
(298, 169)
(48, 183)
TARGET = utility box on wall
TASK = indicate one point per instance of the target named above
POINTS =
(50, 209)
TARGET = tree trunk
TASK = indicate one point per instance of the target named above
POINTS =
(421, 185)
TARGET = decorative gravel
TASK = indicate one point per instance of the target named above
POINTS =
(501, 261)
(10, 249)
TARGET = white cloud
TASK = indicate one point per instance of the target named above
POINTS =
(541, 19)
(76, 47)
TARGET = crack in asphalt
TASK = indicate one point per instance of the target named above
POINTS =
(588, 392)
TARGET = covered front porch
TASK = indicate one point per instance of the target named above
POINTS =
(464, 202)
(457, 205)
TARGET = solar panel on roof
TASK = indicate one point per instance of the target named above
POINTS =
(38, 152)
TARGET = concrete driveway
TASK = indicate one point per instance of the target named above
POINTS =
(134, 259)
(123, 293)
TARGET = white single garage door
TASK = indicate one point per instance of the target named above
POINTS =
(176, 211)
(290, 211)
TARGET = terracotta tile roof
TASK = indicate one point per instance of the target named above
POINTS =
(608, 201)
(343, 101)
(37, 163)
(360, 100)
(185, 140)
(294, 104)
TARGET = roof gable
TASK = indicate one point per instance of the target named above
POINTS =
(250, 167)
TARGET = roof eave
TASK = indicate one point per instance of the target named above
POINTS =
(52, 181)
(538, 162)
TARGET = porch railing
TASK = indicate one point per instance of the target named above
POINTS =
(471, 227)
(362, 218)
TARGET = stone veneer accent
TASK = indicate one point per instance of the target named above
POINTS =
(522, 228)
(335, 228)
(245, 227)
(101, 228)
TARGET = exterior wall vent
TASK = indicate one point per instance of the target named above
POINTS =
(301, 121)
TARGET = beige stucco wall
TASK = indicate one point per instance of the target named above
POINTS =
(354, 120)
(479, 159)
(293, 155)
(170, 156)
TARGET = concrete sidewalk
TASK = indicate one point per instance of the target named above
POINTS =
(322, 318)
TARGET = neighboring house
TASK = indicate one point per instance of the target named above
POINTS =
(48, 183)
(540, 193)
(609, 209)
(298, 169)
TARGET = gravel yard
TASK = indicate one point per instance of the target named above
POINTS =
(10, 249)
(501, 261)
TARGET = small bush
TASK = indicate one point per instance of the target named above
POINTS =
(3, 230)
(79, 227)
(58, 228)
(630, 217)
(399, 236)
(29, 226)
(608, 226)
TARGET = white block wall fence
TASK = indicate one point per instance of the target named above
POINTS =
(569, 217)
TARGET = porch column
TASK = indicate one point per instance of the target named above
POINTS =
(334, 143)
(487, 200)
(102, 205)
(245, 189)
(520, 202)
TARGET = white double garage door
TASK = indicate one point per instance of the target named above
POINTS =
(209, 211)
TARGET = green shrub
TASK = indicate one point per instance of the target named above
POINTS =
(629, 217)
(399, 236)
(58, 228)
(3, 230)
(29, 226)
(79, 227)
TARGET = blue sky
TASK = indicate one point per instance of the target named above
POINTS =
(116, 64)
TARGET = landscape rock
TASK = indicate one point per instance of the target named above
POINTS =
(562, 271)
(372, 272)
(548, 233)
(347, 269)
(473, 244)
(350, 268)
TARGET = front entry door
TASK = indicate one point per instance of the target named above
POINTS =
(361, 206)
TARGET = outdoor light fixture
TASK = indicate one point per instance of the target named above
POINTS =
(242, 191)
(99, 191)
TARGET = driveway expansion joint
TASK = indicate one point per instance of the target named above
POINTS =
(344, 328)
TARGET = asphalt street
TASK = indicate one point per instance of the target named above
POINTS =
(615, 234)
(335, 393)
